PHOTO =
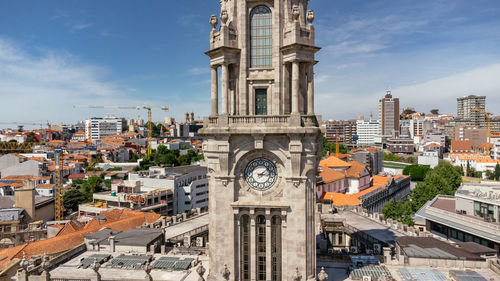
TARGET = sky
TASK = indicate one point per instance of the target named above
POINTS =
(56, 54)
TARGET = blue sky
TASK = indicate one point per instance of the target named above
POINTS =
(54, 54)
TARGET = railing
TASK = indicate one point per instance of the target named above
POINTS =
(464, 218)
(282, 120)
(278, 119)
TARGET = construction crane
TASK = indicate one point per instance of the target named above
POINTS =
(144, 107)
(58, 196)
(488, 121)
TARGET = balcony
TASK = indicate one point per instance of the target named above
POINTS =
(263, 120)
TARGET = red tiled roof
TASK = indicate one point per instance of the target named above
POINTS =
(329, 175)
(125, 219)
(461, 145)
(334, 162)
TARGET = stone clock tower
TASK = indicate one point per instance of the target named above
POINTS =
(262, 141)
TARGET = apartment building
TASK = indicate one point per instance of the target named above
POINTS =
(189, 185)
(368, 132)
(472, 215)
(344, 132)
(389, 114)
(131, 195)
(103, 127)
(466, 112)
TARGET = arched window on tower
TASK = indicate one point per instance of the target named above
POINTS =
(261, 37)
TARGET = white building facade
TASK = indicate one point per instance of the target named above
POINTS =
(103, 127)
(368, 132)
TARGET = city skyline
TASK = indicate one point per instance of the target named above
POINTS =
(103, 54)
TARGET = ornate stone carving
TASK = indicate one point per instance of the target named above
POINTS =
(95, 267)
(201, 271)
(147, 268)
(24, 262)
(295, 12)
(225, 273)
(214, 21)
(297, 276)
(224, 16)
(45, 262)
(322, 276)
(310, 17)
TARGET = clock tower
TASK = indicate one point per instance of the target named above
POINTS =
(262, 141)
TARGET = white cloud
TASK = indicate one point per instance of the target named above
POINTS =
(199, 70)
(437, 93)
(47, 85)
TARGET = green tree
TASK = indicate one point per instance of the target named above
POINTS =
(416, 172)
(91, 186)
(72, 198)
(331, 147)
(497, 172)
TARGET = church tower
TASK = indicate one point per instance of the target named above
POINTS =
(262, 141)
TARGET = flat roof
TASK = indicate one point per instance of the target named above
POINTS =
(456, 223)
(132, 237)
(428, 247)
(186, 226)
(367, 226)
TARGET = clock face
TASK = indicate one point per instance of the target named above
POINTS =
(261, 174)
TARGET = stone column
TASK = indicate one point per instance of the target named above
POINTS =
(310, 90)
(295, 87)
(253, 260)
(215, 91)
(225, 88)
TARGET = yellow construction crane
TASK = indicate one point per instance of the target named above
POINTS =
(488, 121)
(144, 107)
(58, 196)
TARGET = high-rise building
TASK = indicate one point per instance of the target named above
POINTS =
(368, 132)
(262, 149)
(103, 127)
(389, 115)
(466, 112)
(342, 131)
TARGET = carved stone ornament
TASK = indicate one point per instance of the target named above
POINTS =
(214, 21)
(95, 266)
(201, 271)
(297, 276)
(295, 12)
(45, 262)
(310, 17)
(225, 273)
(224, 16)
(322, 275)
(24, 262)
(296, 183)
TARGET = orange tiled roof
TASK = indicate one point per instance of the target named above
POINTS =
(45, 186)
(461, 145)
(63, 242)
(334, 162)
(329, 175)
(432, 145)
(356, 169)
(342, 199)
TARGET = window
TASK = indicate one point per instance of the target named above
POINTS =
(261, 101)
(260, 248)
(276, 248)
(261, 36)
(245, 248)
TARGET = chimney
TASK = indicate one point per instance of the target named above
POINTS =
(24, 198)
(112, 242)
